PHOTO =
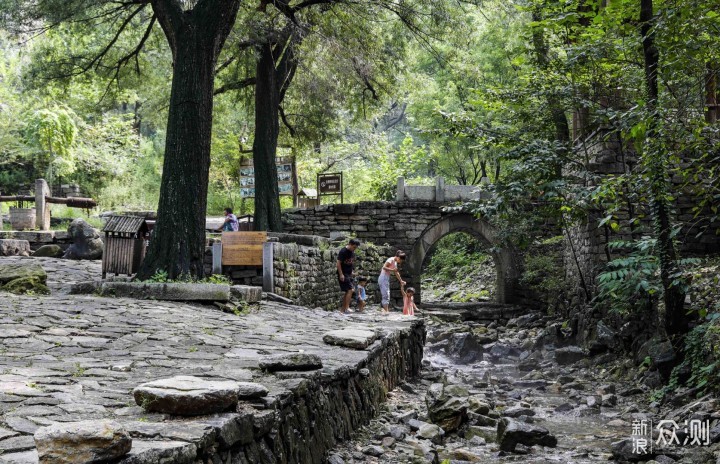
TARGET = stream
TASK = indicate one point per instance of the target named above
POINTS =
(478, 373)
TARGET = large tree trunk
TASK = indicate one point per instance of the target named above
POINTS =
(195, 37)
(275, 70)
(674, 321)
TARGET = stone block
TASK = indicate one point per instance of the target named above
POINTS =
(350, 338)
(12, 247)
(167, 291)
(187, 396)
(86, 441)
(246, 293)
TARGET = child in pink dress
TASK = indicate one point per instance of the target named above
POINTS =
(408, 300)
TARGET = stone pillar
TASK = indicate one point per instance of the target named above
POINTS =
(217, 258)
(268, 267)
(400, 189)
(42, 208)
(439, 189)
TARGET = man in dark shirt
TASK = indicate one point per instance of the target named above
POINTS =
(345, 264)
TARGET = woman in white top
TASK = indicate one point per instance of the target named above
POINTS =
(390, 267)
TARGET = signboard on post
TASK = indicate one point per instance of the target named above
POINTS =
(242, 248)
(285, 171)
(330, 184)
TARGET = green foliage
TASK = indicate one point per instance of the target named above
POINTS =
(632, 283)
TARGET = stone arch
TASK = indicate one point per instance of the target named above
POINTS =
(506, 263)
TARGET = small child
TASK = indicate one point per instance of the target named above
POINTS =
(408, 300)
(361, 294)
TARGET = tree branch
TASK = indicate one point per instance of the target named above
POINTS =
(237, 85)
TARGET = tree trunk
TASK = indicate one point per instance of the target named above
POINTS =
(674, 321)
(275, 70)
(177, 245)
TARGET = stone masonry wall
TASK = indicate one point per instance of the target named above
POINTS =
(589, 240)
(321, 409)
(307, 274)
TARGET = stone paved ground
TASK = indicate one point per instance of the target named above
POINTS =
(62, 273)
(68, 358)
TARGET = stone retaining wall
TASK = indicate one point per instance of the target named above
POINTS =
(307, 274)
(39, 238)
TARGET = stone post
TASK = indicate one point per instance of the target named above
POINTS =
(42, 208)
(439, 189)
(268, 267)
(400, 189)
(217, 258)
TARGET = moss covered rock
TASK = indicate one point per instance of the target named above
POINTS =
(10, 272)
(49, 251)
(25, 285)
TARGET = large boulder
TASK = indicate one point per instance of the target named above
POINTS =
(444, 409)
(86, 241)
(82, 442)
(49, 251)
(464, 348)
(12, 247)
(511, 432)
(186, 395)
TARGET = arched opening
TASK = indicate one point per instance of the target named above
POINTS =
(460, 268)
(503, 257)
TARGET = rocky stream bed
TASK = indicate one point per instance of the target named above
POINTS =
(513, 392)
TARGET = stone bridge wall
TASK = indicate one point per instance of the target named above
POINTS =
(412, 226)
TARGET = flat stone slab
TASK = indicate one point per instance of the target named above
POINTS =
(291, 362)
(12, 247)
(350, 338)
(167, 291)
(251, 391)
(82, 442)
(186, 395)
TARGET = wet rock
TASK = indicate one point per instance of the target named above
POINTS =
(531, 362)
(431, 432)
(593, 401)
(291, 362)
(605, 389)
(86, 241)
(335, 459)
(488, 434)
(564, 407)
(478, 405)
(502, 350)
(388, 442)
(464, 348)
(251, 391)
(373, 450)
(569, 355)
(481, 420)
(449, 414)
(49, 251)
(511, 432)
(518, 411)
(623, 451)
(186, 396)
(464, 455)
(350, 338)
(82, 442)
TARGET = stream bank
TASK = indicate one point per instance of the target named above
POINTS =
(555, 403)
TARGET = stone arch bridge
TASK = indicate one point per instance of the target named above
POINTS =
(412, 226)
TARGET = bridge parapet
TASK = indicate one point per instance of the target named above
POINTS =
(440, 192)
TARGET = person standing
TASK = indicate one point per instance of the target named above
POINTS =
(390, 267)
(345, 265)
(231, 222)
